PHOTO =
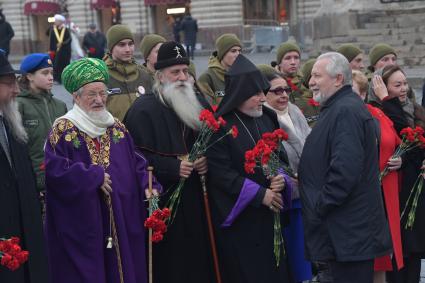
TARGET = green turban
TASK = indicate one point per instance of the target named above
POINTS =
(84, 71)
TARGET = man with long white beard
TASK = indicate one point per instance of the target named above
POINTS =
(95, 186)
(20, 210)
(164, 126)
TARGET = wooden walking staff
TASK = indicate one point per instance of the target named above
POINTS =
(150, 169)
(210, 229)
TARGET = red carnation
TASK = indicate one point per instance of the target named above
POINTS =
(234, 131)
(313, 102)
(5, 259)
(249, 167)
(14, 240)
(22, 257)
(15, 249)
(292, 85)
(281, 134)
(221, 121)
(166, 213)
(214, 107)
(157, 237)
(13, 264)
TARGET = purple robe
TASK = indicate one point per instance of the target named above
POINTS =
(77, 218)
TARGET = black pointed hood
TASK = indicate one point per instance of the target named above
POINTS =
(242, 81)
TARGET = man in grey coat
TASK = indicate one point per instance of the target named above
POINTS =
(342, 206)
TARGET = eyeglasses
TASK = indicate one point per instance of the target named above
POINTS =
(93, 95)
(9, 81)
(281, 90)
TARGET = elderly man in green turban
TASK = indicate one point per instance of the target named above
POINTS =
(95, 186)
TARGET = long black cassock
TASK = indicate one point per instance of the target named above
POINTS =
(184, 253)
(20, 212)
(62, 53)
(243, 225)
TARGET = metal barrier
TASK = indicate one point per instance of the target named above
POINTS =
(270, 36)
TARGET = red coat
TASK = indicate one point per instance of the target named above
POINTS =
(390, 186)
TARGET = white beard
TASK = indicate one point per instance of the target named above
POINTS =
(98, 116)
(320, 98)
(254, 113)
(14, 120)
(181, 97)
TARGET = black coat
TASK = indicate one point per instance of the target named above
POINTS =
(20, 214)
(63, 55)
(342, 206)
(6, 35)
(190, 27)
(183, 256)
(413, 240)
(97, 41)
(246, 247)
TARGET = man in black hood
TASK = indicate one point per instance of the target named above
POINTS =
(6, 33)
(243, 204)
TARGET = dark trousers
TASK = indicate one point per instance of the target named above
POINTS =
(190, 49)
(410, 273)
(346, 272)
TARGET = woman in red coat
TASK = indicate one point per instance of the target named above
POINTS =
(389, 141)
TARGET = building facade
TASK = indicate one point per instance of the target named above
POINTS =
(318, 25)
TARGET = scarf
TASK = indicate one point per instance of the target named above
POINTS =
(91, 126)
(59, 37)
(409, 111)
(292, 121)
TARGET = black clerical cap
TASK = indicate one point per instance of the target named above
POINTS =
(169, 54)
(242, 81)
(5, 67)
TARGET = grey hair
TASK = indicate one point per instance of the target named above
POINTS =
(79, 91)
(157, 87)
(338, 64)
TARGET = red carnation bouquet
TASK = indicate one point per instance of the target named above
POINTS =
(411, 139)
(11, 254)
(156, 220)
(209, 126)
(265, 156)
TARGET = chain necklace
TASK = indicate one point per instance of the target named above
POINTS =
(249, 133)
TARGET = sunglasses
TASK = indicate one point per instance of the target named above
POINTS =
(281, 90)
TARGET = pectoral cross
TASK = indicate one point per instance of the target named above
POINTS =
(178, 52)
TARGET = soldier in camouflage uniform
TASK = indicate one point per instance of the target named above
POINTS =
(211, 82)
(149, 47)
(127, 78)
(288, 64)
(354, 56)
